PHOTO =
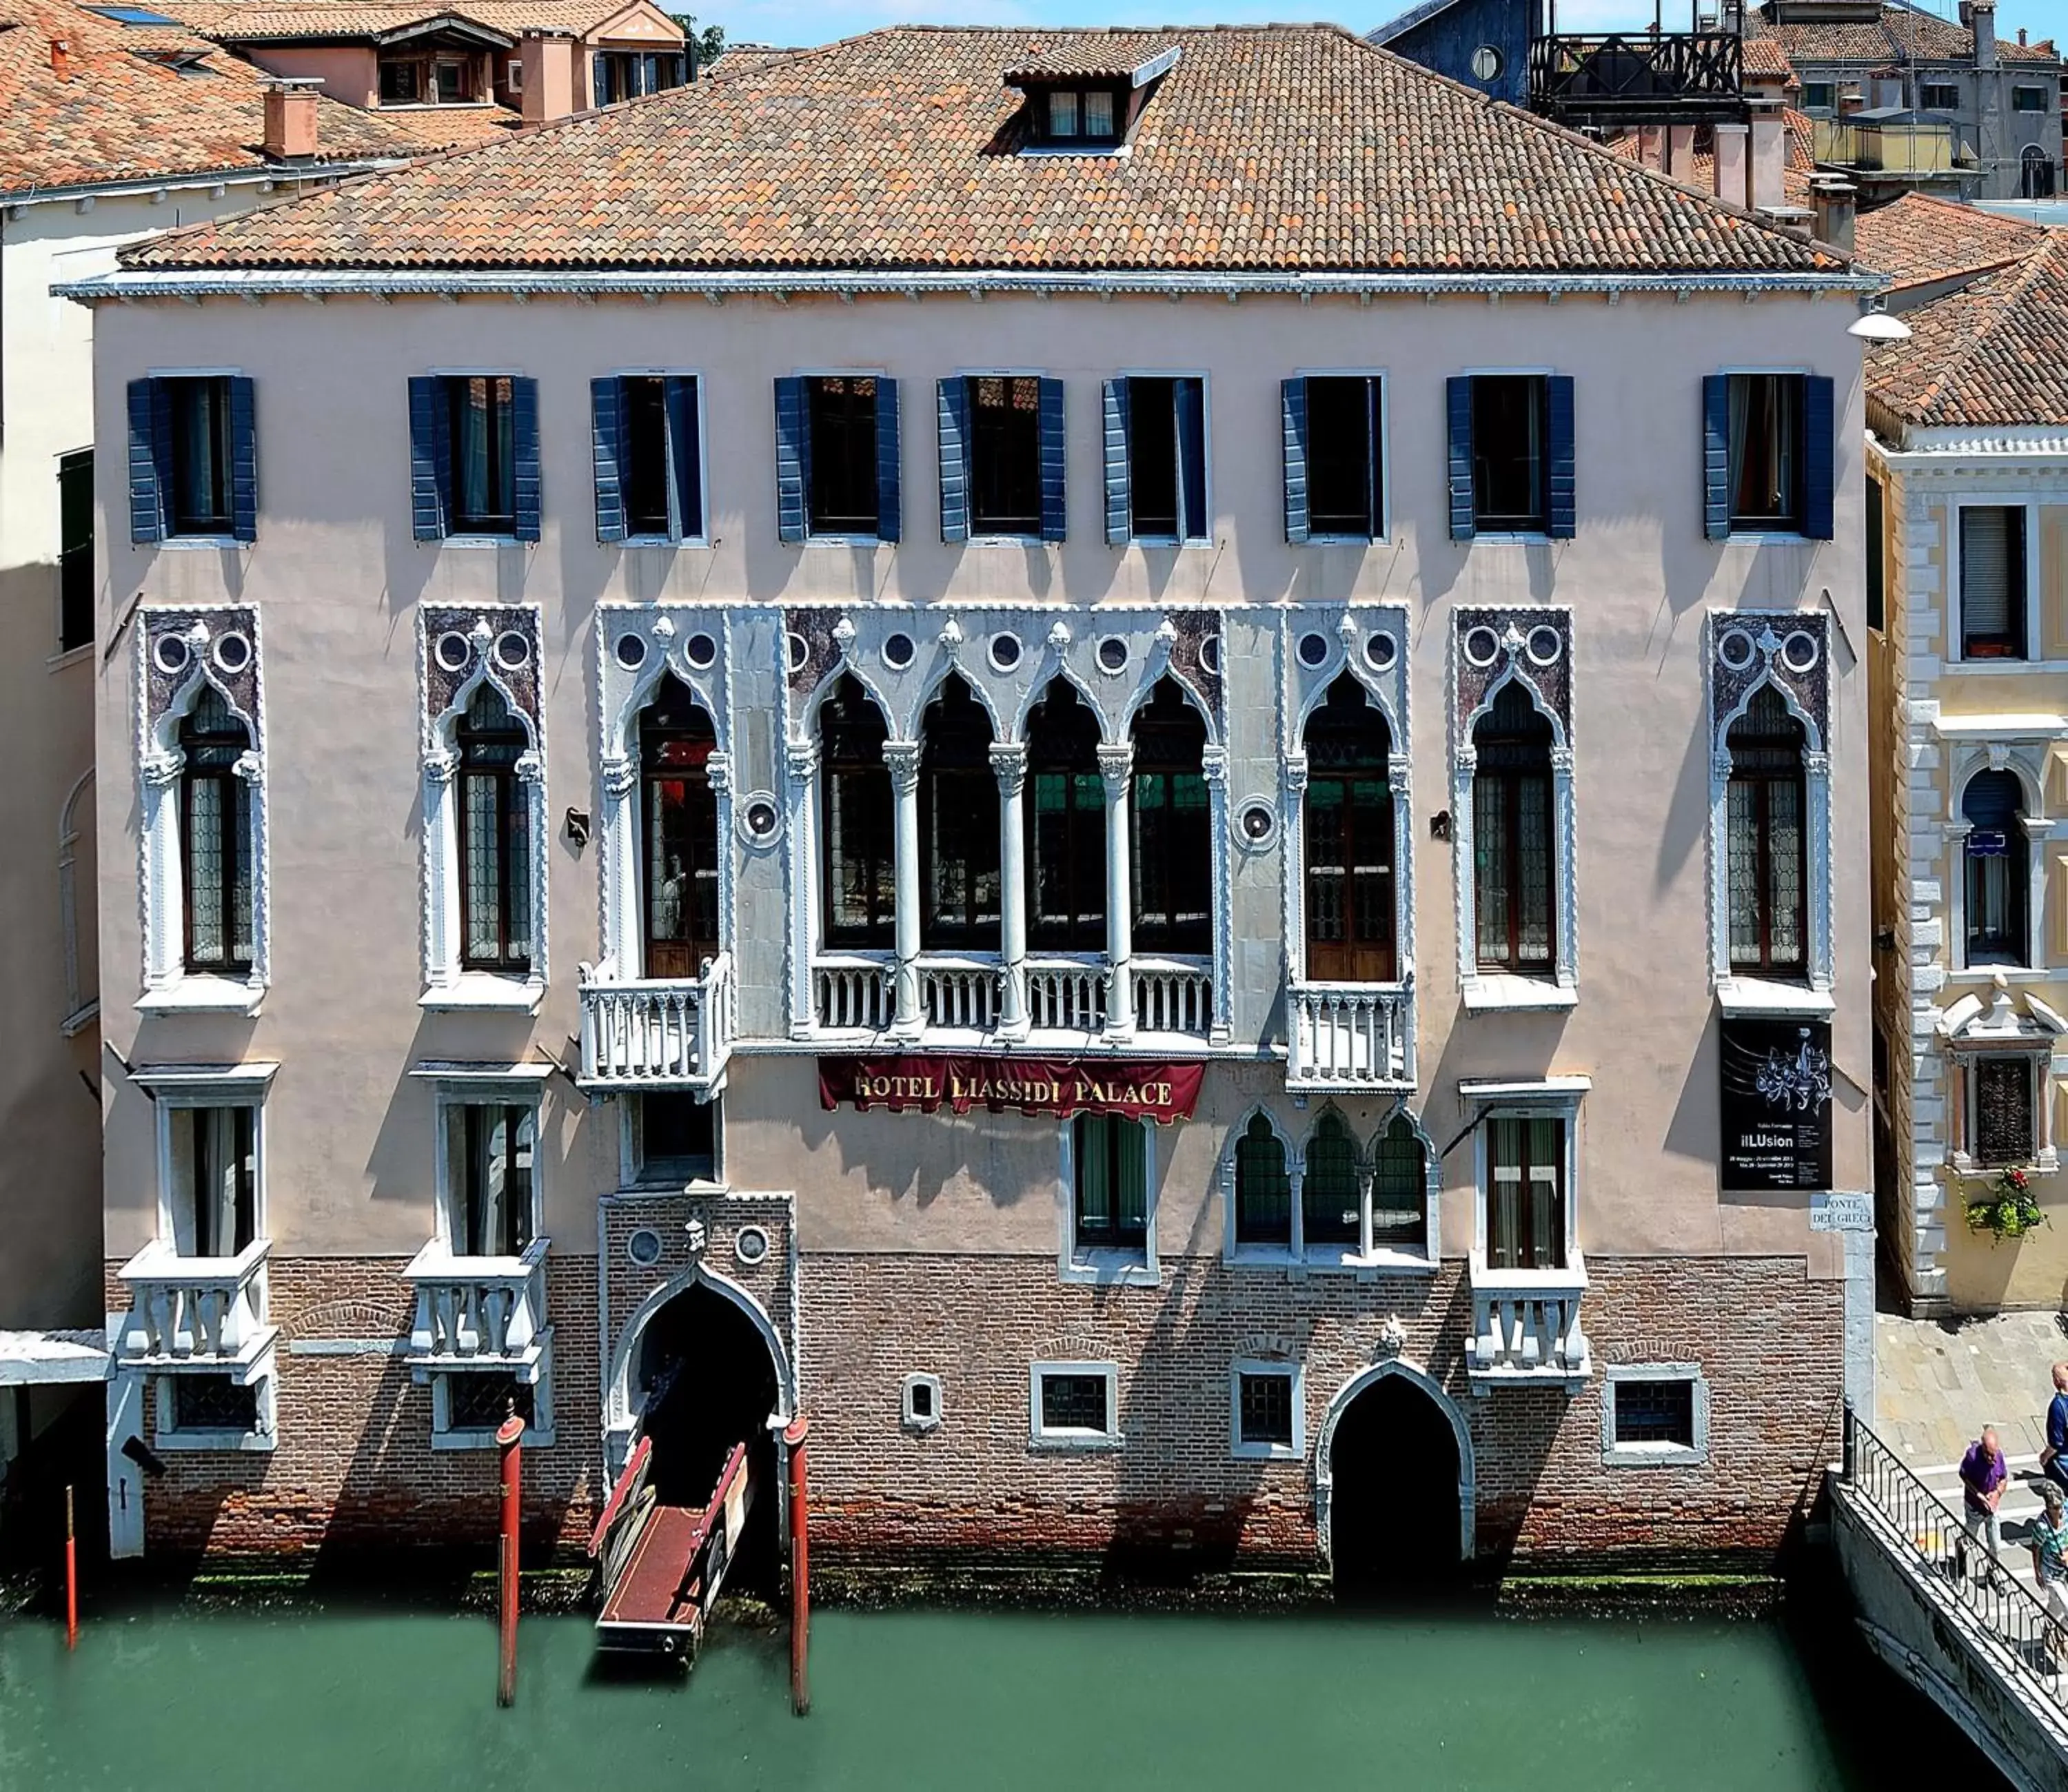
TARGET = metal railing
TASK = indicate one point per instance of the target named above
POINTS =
(1937, 1540)
(1608, 72)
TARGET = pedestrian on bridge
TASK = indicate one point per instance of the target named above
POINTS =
(2054, 1458)
(1984, 1476)
(2048, 1537)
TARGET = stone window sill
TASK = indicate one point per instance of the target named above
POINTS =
(479, 991)
(1757, 995)
(1517, 995)
(203, 995)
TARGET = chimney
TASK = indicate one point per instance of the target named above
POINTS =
(291, 119)
(2021, 37)
(1680, 152)
(61, 58)
(1833, 198)
(1732, 166)
(547, 59)
(1851, 101)
(1769, 155)
(1983, 15)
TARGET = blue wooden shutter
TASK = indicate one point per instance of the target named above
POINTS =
(1053, 445)
(243, 459)
(954, 403)
(1458, 402)
(1819, 456)
(430, 458)
(1292, 406)
(1118, 502)
(1563, 516)
(147, 510)
(685, 456)
(1190, 396)
(890, 497)
(524, 427)
(604, 414)
(1715, 455)
(790, 447)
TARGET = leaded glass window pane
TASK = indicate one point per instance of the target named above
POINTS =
(1263, 1190)
(1399, 1188)
(215, 821)
(1329, 1193)
(1766, 866)
(494, 838)
(1514, 852)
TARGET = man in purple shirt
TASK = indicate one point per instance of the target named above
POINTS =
(1984, 1476)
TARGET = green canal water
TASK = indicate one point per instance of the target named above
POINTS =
(179, 1701)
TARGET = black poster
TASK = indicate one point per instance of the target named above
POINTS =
(1777, 1105)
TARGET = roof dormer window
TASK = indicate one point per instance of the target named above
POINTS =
(1082, 97)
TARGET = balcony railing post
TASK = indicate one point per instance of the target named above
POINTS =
(1850, 1442)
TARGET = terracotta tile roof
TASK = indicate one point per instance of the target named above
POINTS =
(1919, 239)
(280, 21)
(1899, 31)
(1764, 56)
(1266, 148)
(115, 116)
(1988, 355)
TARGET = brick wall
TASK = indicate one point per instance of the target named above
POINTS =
(352, 1463)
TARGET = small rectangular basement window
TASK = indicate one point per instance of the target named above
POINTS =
(1655, 1415)
(1940, 96)
(483, 1402)
(1266, 1405)
(213, 1403)
(1074, 1405)
(468, 1406)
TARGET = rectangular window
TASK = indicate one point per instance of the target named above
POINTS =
(200, 503)
(1655, 1415)
(455, 80)
(1343, 452)
(211, 1402)
(1167, 459)
(1263, 1409)
(1525, 1219)
(1080, 117)
(1766, 462)
(1511, 458)
(401, 82)
(842, 424)
(1074, 1403)
(1877, 559)
(656, 454)
(1005, 454)
(1992, 582)
(1817, 96)
(75, 550)
(491, 1148)
(482, 1400)
(2005, 1131)
(1111, 1160)
(482, 423)
(2028, 100)
(675, 1138)
(1940, 96)
(215, 1180)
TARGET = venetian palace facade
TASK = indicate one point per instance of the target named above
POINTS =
(1168, 821)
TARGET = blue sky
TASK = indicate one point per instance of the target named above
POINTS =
(816, 21)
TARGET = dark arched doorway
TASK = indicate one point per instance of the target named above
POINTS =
(1395, 1488)
(707, 1383)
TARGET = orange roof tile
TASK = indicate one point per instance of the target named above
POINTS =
(115, 114)
(1988, 356)
(1266, 148)
(1901, 31)
(279, 21)
(1919, 239)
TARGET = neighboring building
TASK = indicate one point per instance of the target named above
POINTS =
(1908, 99)
(1967, 542)
(466, 66)
(1050, 805)
(109, 132)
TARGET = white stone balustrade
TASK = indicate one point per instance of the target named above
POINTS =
(477, 1309)
(854, 991)
(192, 1310)
(1526, 1327)
(959, 995)
(1174, 995)
(657, 1033)
(1351, 1036)
(1066, 995)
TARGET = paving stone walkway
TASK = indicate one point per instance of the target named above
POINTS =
(1937, 1382)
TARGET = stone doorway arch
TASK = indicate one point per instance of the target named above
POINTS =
(1398, 1377)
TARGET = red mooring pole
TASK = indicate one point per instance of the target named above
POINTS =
(508, 1439)
(800, 1568)
(71, 1575)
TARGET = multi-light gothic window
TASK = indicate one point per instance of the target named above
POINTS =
(1514, 859)
(494, 838)
(1768, 854)
(959, 827)
(860, 889)
(678, 820)
(1066, 824)
(1349, 841)
(1172, 872)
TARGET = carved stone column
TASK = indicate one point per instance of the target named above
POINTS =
(902, 758)
(800, 763)
(1116, 766)
(1008, 764)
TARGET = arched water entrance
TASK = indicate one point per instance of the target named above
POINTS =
(698, 1371)
(1394, 1478)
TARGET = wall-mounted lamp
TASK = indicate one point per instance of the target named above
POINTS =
(578, 828)
(1440, 825)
